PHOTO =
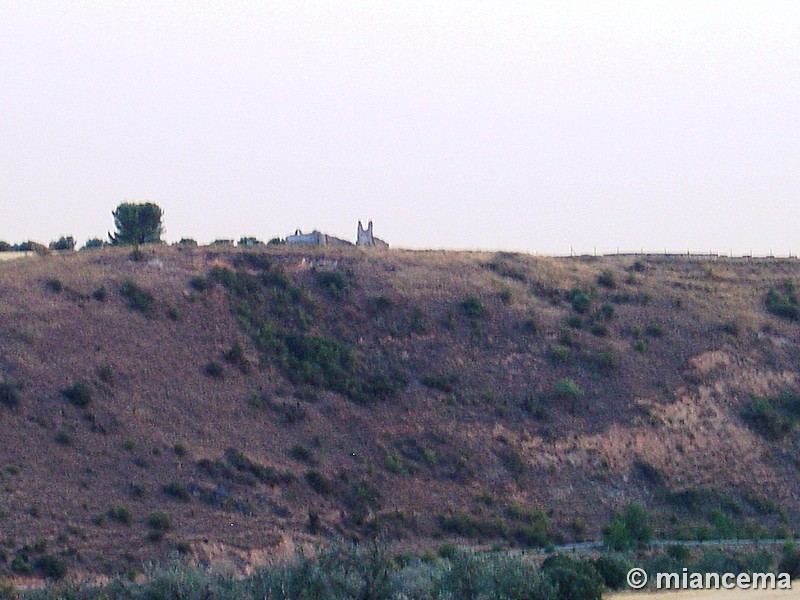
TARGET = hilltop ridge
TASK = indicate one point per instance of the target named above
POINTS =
(234, 403)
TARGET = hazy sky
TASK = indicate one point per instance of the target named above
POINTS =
(527, 125)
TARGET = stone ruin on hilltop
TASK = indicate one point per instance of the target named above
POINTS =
(364, 238)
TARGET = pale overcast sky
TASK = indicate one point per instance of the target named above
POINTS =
(531, 125)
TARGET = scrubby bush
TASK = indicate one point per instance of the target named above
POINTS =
(319, 483)
(559, 353)
(78, 393)
(9, 394)
(236, 357)
(472, 307)
(63, 243)
(567, 389)
(772, 418)
(138, 299)
(580, 300)
(214, 370)
(176, 490)
(50, 567)
(334, 283)
(93, 243)
(629, 528)
(54, 285)
(443, 383)
(607, 279)
(782, 301)
(301, 453)
(574, 579)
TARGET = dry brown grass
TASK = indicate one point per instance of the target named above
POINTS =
(674, 406)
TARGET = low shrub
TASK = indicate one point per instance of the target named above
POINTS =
(50, 566)
(120, 514)
(558, 353)
(772, 418)
(443, 383)
(100, 294)
(159, 520)
(78, 393)
(629, 528)
(300, 453)
(319, 483)
(472, 307)
(607, 279)
(138, 299)
(782, 301)
(177, 491)
(334, 283)
(54, 285)
(580, 301)
(214, 370)
(566, 389)
(9, 394)
(653, 330)
(237, 358)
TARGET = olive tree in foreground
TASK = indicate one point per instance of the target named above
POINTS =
(137, 224)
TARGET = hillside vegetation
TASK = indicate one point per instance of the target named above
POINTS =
(234, 404)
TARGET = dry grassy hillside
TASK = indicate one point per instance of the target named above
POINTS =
(235, 403)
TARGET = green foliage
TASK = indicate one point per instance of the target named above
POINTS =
(249, 468)
(598, 329)
(443, 383)
(580, 300)
(632, 527)
(200, 283)
(559, 353)
(302, 454)
(78, 393)
(505, 295)
(63, 243)
(214, 370)
(159, 521)
(574, 579)
(50, 567)
(137, 224)
(93, 243)
(607, 279)
(188, 242)
(605, 361)
(782, 301)
(249, 241)
(319, 483)
(9, 394)
(120, 514)
(138, 299)
(237, 358)
(653, 330)
(177, 491)
(773, 418)
(790, 561)
(334, 283)
(100, 294)
(465, 524)
(54, 285)
(613, 571)
(512, 461)
(472, 307)
(566, 389)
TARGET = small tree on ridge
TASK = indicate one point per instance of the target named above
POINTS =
(137, 224)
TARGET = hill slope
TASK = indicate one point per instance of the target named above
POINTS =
(265, 398)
